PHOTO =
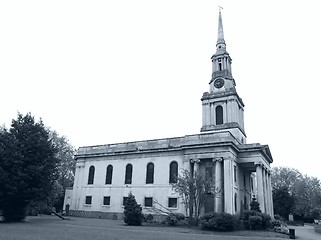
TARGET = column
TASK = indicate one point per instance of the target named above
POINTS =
(207, 113)
(270, 195)
(266, 192)
(267, 197)
(218, 184)
(228, 186)
(259, 180)
(196, 164)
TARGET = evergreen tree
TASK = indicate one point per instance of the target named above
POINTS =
(255, 205)
(27, 166)
(132, 211)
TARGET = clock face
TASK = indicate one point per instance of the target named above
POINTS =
(218, 83)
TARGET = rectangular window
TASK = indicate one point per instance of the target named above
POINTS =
(88, 199)
(148, 202)
(106, 201)
(172, 202)
(235, 174)
(124, 200)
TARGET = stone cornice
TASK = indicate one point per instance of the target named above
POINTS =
(229, 92)
(190, 142)
(222, 127)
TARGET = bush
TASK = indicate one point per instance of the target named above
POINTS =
(218, 222)
(13, 213)
(254, 220)
(276, 223)
(175, 218)
(148, 218)
(132, 211)
(277, 217)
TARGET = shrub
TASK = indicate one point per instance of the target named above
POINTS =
(218, 222)
(255, 205)
(254, 220)
(148, 218)
(175, 218)
(276, 223)
(132, 211)
(12, 213)
(277, 217)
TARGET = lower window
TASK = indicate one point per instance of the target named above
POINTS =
(172, 202)
(148, 202)
(124, 200)
(88, 199)
(106, 201)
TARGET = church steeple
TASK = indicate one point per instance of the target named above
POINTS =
(220, 35)
(221, 60)
(222, 107)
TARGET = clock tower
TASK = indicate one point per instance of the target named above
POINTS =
(223, 109)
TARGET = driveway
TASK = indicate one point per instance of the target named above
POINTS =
(306, 232)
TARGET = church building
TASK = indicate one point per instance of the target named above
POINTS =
(106, 174)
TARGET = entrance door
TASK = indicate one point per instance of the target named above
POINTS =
(209, 203)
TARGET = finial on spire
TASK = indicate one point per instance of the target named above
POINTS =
(220, 8)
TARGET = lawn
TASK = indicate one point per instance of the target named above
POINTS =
(52, 228)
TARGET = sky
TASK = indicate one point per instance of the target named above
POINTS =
(102, 72)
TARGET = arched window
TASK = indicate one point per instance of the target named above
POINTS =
(128, 174)
(109, 174)
(173, 172)
(91, 175)
(150, 173)
(220, 64)
(235, 201)
(219, 115)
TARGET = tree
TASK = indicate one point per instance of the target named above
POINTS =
(132, 211)
(65, 169)
(283, 201)
(194, 190)
(27, 166)
(255, 205)
(305, 190)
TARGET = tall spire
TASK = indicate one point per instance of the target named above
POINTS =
(220, 35)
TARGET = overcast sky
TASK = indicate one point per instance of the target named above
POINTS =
(103, 72)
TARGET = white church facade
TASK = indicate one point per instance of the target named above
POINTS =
(106, 174)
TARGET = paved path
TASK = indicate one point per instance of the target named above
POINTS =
(306, 232)
(52, 228)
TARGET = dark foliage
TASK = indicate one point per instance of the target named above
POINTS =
(175, 218)
(27, 166)
(149, 218)
(254, 220)
(255, 206)
(283, 201)
(132, 211)
(218, 222)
